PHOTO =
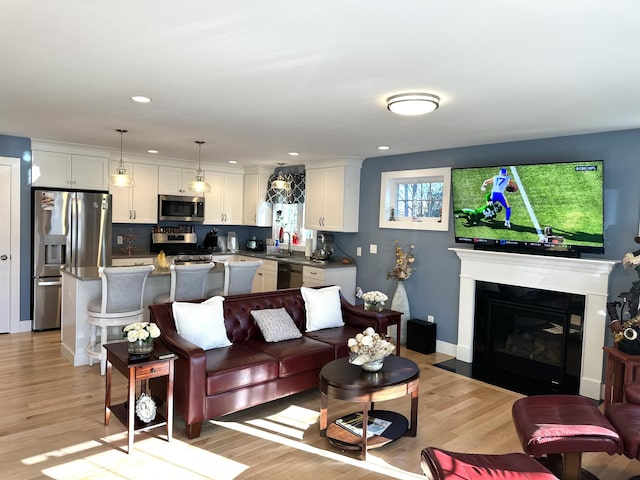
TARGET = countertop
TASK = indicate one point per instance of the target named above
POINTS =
(295, 259)
(91, 273)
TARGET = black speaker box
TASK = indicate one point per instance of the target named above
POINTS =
(421, 336)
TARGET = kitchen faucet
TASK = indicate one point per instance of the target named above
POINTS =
(289, 252)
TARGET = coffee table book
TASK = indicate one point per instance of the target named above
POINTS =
(343, 438)
(353, 424)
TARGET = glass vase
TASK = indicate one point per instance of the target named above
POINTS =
(374, 307)
(141, 347)
(373, 366)
(400, 303)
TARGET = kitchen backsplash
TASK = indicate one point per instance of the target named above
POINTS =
(142, 233)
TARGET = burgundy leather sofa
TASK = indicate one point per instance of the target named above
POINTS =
(212, 383)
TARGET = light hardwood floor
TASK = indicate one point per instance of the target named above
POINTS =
(52, 413)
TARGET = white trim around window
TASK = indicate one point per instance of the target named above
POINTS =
(389, 187)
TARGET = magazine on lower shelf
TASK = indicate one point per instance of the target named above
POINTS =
(353, 424)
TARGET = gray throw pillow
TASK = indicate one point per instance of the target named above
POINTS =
(275, 324)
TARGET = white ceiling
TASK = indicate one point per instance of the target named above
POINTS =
(257, 79)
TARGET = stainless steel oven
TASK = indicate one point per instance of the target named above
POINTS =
(180, 208)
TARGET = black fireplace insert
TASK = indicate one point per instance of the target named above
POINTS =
(528, 340)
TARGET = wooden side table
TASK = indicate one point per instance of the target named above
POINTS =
(140, 371)
(621, 369)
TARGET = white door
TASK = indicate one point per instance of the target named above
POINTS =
(9, 252)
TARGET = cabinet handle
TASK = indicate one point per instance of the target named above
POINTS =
(130, 214)
(134, 215)
(153, 370)
(259, 274)
(313, 273)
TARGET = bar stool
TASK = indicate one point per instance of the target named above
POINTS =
(119, 305)
(238, 278)
(187, 282)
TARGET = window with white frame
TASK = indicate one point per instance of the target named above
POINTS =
(290, 217)
(415, 199)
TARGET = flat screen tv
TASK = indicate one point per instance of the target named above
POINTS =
(551, 208)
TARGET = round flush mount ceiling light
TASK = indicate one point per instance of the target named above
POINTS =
(413, 103)
(140, 99)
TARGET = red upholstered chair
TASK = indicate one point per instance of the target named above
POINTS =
(625, 417)
(440, 464)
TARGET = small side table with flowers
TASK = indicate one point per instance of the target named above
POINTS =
(138, 371)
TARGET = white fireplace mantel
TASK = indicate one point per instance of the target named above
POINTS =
(560, 274)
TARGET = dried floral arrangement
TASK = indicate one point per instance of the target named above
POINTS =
(404, 264)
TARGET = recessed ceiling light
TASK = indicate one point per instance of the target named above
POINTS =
(294, 154)
(233, 161)
(152, 151)
(413, 103)
(383, 147)
(140, 99)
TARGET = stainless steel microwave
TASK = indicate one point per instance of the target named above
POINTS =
(180, 208)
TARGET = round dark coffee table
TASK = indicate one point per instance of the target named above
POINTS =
(343, 381)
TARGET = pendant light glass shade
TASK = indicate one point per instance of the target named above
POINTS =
(280, 183)
(199, 185)
(120, 178)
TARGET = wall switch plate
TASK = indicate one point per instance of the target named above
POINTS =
(373, 248)
(358, 251)
(119, 240)
(430, 319)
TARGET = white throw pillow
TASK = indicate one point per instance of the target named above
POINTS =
(202, 323)
(323, 307)
(275, 324)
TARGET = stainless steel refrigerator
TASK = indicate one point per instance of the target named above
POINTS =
(70, 229)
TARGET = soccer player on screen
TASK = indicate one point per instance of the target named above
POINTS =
(499, 184)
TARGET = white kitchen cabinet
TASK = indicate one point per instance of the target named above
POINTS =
(332, 196)
(70, 171)
(345, 277)
(223, 205)
(266, 279)
(137, 204)
(175, 180)
(257, 212)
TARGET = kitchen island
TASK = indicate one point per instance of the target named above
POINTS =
(81, 285)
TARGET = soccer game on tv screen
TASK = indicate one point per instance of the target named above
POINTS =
(557, 206)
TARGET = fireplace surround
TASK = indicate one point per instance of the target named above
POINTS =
(587, 277)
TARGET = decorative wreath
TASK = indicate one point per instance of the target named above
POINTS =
(145, 408)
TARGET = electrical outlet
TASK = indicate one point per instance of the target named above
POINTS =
(430, 319)
(358, 251)
(119, 240)
(373, 248)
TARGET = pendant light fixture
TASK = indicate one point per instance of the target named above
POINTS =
(199, 185)
(280, 183)
(120, 178)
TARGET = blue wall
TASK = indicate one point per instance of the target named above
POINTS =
(19, 147)
(433, 289)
